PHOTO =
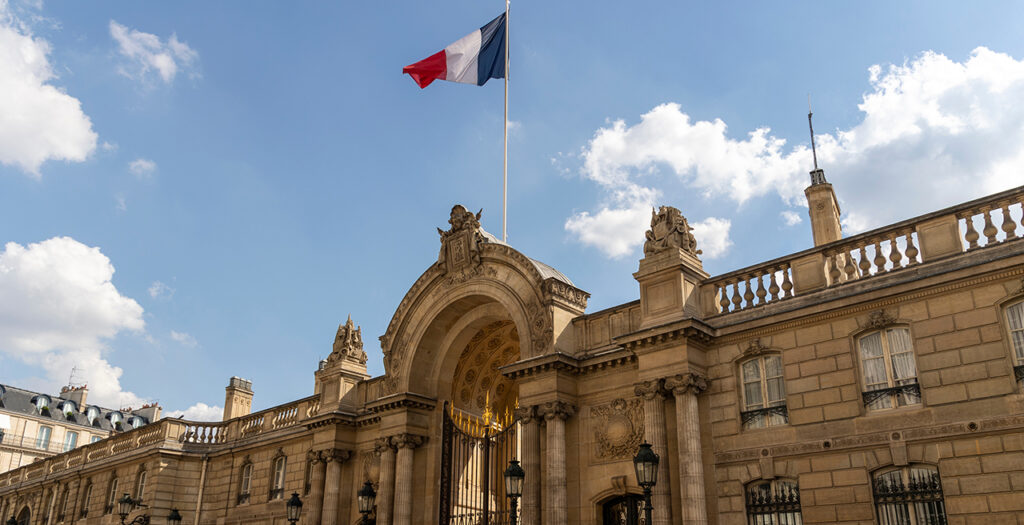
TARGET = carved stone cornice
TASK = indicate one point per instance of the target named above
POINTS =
(326, 420)
(407, 440)
(556, 409)
(406, 400)
(650, 389)
(565, 292)
(689, 329)
(688, 383)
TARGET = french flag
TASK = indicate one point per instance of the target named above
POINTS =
(473, 59)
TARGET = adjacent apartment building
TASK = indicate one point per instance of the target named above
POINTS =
(871, 379)
(35, 426)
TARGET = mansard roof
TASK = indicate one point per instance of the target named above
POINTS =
(20, 401)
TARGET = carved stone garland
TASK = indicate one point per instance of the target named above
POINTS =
(618, 428)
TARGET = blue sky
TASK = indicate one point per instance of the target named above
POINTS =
(252, 173)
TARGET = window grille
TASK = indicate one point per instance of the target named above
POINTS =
(774, 503)
(909, 497)
(889, 369)
(764, 393)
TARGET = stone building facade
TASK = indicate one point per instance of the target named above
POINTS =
(871, 379)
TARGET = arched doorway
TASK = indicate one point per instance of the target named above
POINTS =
(624, 510)
(24, 517)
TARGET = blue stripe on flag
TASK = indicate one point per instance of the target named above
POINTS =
(491, 62)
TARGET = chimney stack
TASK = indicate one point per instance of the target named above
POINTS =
(238, 398)
(77, 394)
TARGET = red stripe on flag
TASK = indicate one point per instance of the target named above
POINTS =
(429, 69)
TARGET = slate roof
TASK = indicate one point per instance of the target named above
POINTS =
(20, 401)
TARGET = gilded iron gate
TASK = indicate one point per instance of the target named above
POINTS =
(474, 453)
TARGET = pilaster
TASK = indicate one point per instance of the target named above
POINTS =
(653, 394)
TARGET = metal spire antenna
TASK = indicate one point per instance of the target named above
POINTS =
(504, 177)
(810, 124)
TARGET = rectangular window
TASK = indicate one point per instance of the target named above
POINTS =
(1015, 322)
(140, 486)
(70, 440)
(111, 497)
(889, 370)
(909, 496)
(43, 438)
(774, 503)
(277, 485)
(764, 393)
(85, 501)
(95, 439)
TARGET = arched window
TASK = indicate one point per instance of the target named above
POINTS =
(245, 483)
(764, 393)
(624, 510)
(111, 496)
(92, 414)
(62, 507)
(1015, 324)
(909, 496)
(889, 370)
(775, 502)
(86, 496)
(277, 477)
(140, 484)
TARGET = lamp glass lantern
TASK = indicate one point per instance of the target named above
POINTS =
(125, 505)
(366, 497)
(514, 476)
(12, 521)
(174, 518)
(646, 465)
(294, 508)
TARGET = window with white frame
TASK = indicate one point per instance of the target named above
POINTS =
(909, 496)
(277, 480)
(70, 440)
(889, 370)
(1015, 324)
(764, 393)
(43, 437)
(140, 484)
(775, 502)
(245, 483)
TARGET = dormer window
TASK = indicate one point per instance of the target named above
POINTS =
(68, 408)
(3, 393)
(136, 421)
(42, 403)
(92, 414)
(116, 419)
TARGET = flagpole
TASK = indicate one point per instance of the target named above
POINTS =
(504, 178)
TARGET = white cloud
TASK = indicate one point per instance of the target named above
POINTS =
(184, 339)
(712, 236)
(38, 121)
(146, 53)
(791, 217)
(142, 168)
(199, 412)
(934, 132)
(59, 308)
(122, 204)
(159, 290)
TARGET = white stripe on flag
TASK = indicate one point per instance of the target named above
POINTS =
(462, 59)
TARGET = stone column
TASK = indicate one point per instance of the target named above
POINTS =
(332, 485)
(386, 492)
(653, 394)
(405, 443)
(686, 387)
(555, 413)
(530, 508)
(316, 489)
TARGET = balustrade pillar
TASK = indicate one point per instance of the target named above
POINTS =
(530, 424)
(386, 491)
(405, 443)
(685, 388)
(653, 393)
(555, 413)
(332, 484)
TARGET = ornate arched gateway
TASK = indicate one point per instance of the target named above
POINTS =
(449, 355)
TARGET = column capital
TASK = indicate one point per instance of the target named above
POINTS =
(556, 409)
(381, 445)
(650, 389)
(336, 455)
(406, 440)
(690, 382)
(527, 414)
(315, 456)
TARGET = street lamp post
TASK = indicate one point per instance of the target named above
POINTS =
(366, 497)
(294, 507)
(126, 505)
(646, 465)
(12, 521)
(514, 475)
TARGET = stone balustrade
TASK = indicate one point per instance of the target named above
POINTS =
(171, 432)
(967, 227)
